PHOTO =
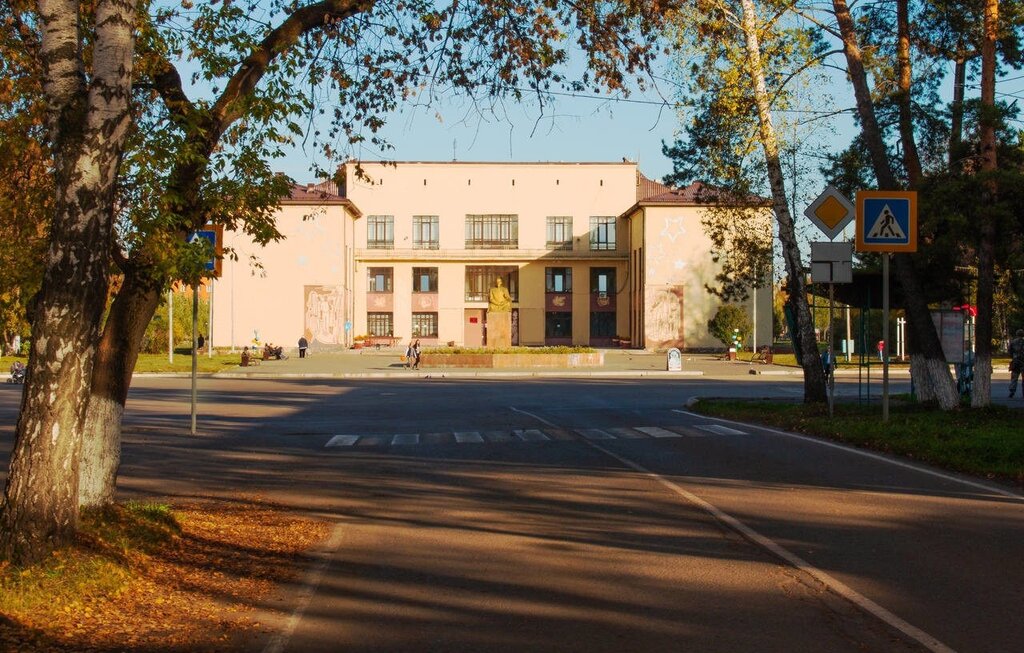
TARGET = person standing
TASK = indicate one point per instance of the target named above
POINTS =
(200, 341)
(1016, 360)
(303, 345)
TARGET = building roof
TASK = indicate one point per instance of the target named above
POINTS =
(325, 192)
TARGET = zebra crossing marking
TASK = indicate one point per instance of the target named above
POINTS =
(719, 429)
(531, 435)
(463, 437)
(595, 434)
(406, 438)
(342, 441)
(658, 432)
(523, 435)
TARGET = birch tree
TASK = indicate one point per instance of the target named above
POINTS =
(740, 74)
(87, 101)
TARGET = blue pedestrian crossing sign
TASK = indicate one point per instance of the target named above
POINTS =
(214, 234)
(886, 221)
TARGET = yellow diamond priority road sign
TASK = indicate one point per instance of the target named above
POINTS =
(831, 212)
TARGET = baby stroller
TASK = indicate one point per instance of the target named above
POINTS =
(17, 372)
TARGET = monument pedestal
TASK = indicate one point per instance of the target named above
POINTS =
(499, 329)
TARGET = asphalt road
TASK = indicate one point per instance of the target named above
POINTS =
(585, 515)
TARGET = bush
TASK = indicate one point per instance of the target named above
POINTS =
(561, 349)
(727, 321)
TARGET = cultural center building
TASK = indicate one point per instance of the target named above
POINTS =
(591, 253)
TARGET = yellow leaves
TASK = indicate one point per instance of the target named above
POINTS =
(192, 592)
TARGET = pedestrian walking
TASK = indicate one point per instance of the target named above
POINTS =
(200, 341)
(410, 353)
(303, 346)
(416, 355)
(1016, 361)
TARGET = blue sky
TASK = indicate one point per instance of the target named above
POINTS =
(580, 128)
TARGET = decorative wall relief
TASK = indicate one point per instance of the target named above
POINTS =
(324, 319)
(664, 311)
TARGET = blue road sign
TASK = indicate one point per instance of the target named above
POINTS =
(886, 221)
(212, 234)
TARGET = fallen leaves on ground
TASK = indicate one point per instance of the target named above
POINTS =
(200, 588)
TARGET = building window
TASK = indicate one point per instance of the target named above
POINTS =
(379, 280)
(559, 232)
(379, 324)
(492, 231)
(424, 325)
(602, 281)
(602, 232)
(380, 231)
(425, 233)
(480, 280)
(558, 325)
(558, 280)
(424, 279)
(602, 325)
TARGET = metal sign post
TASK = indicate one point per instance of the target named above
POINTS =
(195, 359)
(831, 263)
(886, 223)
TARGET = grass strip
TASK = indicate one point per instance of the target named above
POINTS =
(983, 442)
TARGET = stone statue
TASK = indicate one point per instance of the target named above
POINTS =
(499, 301)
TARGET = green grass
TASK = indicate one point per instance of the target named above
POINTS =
(988, 442)
(158, 362)
(99, 562)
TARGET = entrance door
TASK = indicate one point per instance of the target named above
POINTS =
(473, 333)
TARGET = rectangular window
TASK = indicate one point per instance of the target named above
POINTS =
(424, 279)
(602, 281)
(425, 232)
(559, 232)
(492, 231)
(424, 325)
(558, 325)
(380, 231)
(379, 324)
(480, 280)
(602, 325)
(379, 279)
(602, 232)
(558, 280)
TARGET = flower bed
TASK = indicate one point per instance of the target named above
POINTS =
(517, 358)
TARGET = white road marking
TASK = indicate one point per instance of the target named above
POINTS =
(719, 429)
(868, 454)
(531, 435)
(861, 601)
(468, 436)
(657, 432)
(342, 441)
(279, 641)
(595, 434)
(406, 438)
(623, 433)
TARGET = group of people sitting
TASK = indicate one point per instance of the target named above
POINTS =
(269, 352)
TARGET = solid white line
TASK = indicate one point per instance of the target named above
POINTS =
(866, 454)
(342, 441)
(770, 545)
(280, 640)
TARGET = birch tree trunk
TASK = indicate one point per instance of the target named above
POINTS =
(927, 362)
(804, 341)
(88, 122)
(130, 314)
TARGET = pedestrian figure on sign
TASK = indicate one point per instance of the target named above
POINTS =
(303, 345)
(1016, 360)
